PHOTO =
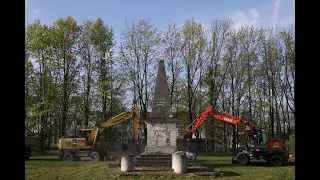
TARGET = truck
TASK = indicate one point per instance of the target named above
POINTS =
(88, 145)
(258, 145)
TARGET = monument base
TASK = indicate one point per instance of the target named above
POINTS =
(160, 149)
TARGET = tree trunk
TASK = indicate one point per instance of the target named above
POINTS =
(212, 120)
(189, 99)
(283, 120)
(233, 126)
(87, 93)
(288, 119)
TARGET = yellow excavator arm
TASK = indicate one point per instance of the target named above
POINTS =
(116, 120)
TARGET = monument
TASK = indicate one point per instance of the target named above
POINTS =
(162, 128)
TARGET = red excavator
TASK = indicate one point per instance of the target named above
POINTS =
(258, 145)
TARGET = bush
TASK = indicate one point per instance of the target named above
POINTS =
(291, 144)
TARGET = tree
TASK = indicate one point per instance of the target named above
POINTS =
(287, 77)
(139, 50)
(38, 46)
(102, 40)
(65, 37)
(234, 82)
(87, 64)
(218, 35)
(192, 49)
(171, 43)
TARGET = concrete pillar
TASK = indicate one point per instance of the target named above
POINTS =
(127, 163)
(180, 162)
(173, 155)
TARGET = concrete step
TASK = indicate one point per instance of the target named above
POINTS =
(153, 159)
(156, 159)
(165, 165)
(162, 164)
(156, 162)
(155, 155)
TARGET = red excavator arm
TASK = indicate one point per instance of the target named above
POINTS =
(221, 115)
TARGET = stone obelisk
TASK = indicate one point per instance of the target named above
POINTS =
(161, 126)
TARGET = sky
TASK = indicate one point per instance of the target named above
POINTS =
(265, 13)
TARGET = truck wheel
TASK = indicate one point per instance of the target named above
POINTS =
(95, 156)
(276, 160)
(68, 157)
(243, 159)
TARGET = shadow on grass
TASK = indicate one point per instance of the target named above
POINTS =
(229, 173)
(209, 171)
(199, 170)
(151, 170)
(290, 164)
(251, 164)
(42, 159)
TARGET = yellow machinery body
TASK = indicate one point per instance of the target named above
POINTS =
(73, 148)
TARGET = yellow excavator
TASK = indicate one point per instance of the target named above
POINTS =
(88, 145)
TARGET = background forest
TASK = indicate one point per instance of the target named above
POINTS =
(77, 75)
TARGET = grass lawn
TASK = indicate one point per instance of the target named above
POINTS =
(48, 167)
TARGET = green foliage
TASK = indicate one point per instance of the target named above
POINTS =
(182, 116)
(291, 144)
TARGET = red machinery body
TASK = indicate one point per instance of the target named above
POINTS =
(223, 116)
(275, 144)
(258, 144)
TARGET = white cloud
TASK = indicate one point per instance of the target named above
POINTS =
(276, 12)
(254, 13)
(253, 17)
(241, 18)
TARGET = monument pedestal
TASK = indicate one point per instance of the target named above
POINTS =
(162, 135)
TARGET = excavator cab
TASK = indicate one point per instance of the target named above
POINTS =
(85, 133)
(262, 140)
(257, 139)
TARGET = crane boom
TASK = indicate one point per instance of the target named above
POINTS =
(198, 121)
(222, 116)
(135, 114)
(116, 119)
